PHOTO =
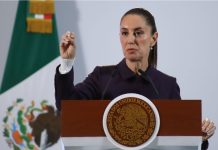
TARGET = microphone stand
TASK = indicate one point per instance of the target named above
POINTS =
(147, 78)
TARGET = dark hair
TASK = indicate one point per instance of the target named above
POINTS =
(152, 58)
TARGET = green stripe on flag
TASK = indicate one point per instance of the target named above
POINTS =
(28, 51)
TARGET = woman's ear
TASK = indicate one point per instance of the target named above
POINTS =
(154, 39)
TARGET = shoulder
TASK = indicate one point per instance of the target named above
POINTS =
(166, 84)
(160, 76)
(105, 69)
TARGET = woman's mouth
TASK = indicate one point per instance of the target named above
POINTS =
(131, 50)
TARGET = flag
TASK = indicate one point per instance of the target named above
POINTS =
(27, 88)
(29, 51)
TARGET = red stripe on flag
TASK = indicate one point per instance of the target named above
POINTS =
(47, 16)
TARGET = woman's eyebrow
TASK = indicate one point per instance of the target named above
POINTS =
(137, 28)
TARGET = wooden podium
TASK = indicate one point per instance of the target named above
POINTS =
(180, 125)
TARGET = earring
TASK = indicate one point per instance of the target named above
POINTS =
(151, 48)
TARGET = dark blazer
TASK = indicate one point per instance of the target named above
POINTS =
(108, 82)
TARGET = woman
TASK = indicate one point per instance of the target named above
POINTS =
(136, 73)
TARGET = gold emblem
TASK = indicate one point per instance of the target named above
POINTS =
(131, 121)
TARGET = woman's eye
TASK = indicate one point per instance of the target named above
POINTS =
(138, 33)
(124, 33)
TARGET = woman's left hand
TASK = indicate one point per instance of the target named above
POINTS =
(208, 128)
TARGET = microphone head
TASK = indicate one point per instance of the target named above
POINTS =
(141, 71)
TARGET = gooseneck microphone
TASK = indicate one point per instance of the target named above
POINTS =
(107, 85)
(147, 78)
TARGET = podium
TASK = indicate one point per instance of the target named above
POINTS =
(180, 125)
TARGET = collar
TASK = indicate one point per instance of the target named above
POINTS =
(127, 73)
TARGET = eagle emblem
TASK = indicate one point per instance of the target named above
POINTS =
(33, 127)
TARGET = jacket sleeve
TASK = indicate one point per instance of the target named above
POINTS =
(65, 88)
(205, 145)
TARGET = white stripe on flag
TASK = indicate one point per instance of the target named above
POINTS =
(39, 16)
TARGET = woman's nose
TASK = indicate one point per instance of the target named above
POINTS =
(131, 38)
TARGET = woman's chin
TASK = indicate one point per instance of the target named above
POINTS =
(133, 58)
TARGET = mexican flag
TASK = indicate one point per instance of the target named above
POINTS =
(27, 86)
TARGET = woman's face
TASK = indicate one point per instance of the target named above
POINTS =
(136, 38)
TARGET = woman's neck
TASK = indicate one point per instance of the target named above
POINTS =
(136, 65)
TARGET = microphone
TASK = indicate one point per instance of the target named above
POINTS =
(147, 78)
(107, 85)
